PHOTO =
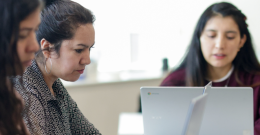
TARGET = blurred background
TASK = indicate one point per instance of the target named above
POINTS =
(137, 43)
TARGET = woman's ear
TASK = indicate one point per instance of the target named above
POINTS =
(45, 47)
(242, 41)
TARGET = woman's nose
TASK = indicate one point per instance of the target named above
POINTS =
(33, 45)
(86, 59)
(220, 43)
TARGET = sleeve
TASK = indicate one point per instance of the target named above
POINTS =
(175, 78)
(34, 116)
(168, 81)
(256, 110)
(172, 80)
(33, 113)
(78, 123)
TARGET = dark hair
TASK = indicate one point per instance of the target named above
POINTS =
(60, 19)
(12, 12)
(194, 62)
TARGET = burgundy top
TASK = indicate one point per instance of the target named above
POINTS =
(177, 78)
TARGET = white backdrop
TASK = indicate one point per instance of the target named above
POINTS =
(163, 27)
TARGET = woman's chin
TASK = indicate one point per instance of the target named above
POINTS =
(19, 71)
(219, 66)
(73, 79)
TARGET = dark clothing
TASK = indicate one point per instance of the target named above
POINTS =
(48, 114)
(177, 78)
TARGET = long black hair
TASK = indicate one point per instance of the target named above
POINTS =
(59, 21)
(194, 62)
(12, 12)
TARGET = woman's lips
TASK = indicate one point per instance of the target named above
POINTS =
(219, 56)
(81, 71)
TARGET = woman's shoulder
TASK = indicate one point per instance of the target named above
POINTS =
(175, 78)
(249, 79)
(178, 74)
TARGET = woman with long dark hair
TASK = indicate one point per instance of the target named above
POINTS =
(221, 51)
(66, 35)
(18, 21)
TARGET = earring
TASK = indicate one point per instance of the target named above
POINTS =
(46, 68)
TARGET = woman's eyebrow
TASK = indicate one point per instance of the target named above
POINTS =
(86, 46)
(231, 32)
(211, 30)
(28, 28)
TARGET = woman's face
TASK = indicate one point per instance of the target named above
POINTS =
(74, 54)
(221, 41)
(27, 44)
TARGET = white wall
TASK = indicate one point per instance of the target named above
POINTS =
(164, 28)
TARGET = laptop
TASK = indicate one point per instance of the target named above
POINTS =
(229, 110)
(207, 88)
(195, 115)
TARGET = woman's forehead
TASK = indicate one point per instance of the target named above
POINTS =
(220, 23)
(85, 34)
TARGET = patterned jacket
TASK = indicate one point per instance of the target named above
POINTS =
(46, 114)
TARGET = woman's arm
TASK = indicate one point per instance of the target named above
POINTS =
(256, 110)
(78, 122)
(34, 116)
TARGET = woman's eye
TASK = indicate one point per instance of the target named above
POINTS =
(22, 37)
(230, 37)
(23, 34)
(79, 50)
(211, 36)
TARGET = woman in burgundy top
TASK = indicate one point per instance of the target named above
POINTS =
(221, 51)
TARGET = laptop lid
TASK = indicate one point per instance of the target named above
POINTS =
(195, 115)
(164, 109)
(207, 88)
(229, 110)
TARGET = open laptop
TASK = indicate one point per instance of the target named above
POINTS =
(195, 115)
(207, 88)
(229, 110)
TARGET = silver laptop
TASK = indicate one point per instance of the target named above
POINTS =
(229, 110)
(195, 115)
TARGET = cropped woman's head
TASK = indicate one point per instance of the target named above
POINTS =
(19, 19)
(221, 38)
(66, 36)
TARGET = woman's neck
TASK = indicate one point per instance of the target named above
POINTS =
(216, 73)
(48, 78)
